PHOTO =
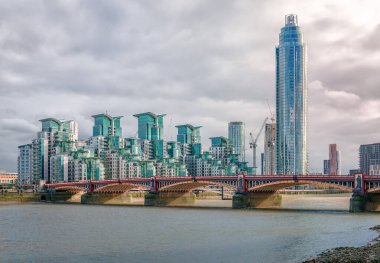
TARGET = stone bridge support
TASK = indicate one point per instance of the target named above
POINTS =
(369, 202)
(170, 199)
(372, 202)
(124, 198)
(256, 200)
(358, 203)
(62, 197)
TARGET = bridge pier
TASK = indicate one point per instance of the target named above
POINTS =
(124, 198)
(358, 203)
(373, 202)
(365, 203)
(61, 197)
(240, 200)
(256, 200)
(169, 199)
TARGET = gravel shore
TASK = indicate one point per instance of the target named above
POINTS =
(367, 253)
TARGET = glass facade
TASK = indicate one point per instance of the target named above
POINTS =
(369, 154)
(25, 163)
(58, 156)
(150, 126)
(236, 136)
(106, 125)
(188, 134)
(291, 100)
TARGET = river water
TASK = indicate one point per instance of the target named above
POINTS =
(85, 233)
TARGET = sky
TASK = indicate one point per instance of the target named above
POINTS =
(201, 62)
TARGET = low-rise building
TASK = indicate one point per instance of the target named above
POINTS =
(7, 178)
(374, 169)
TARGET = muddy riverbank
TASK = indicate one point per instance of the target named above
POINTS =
(367, 253)
(13, 198)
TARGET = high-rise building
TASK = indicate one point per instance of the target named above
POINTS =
(369, 154)
(339, 162)
(150, 126)
(56, 155)
(291, 100)
(188, 134)
(24, 162)
(219, 147)
(189, 137)
(59, 168)
(269, 149)
(374, 169)
(56, 137)
(106, 125)
(151, 134)
(326, 167)
(236, 137)
(334, 160)
(107, 129)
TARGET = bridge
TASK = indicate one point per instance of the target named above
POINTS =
(258, 191)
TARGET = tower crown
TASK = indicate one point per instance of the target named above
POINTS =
(291, 20)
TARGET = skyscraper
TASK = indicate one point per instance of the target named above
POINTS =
(326, 167)
(107, 132)
(369, 154)
(25, 164)
(291, 100)
(151, 133)
(189, 137)
(236, 136)
(106, 125)
(269, 151)
(339, 161)
(334, 161)
(188, 134)
(150, 126)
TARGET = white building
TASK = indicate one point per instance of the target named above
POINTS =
(8, 178)
(59, 168)
(374, 169)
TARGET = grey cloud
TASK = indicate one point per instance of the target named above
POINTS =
(158, 57)
(361, 79)
(17, 126)
(372, 41)
(201, 62)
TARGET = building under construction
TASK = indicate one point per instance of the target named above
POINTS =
(269, 149)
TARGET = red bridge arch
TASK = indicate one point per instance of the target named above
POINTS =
(278, 185)
(119, 188)
(191, 185)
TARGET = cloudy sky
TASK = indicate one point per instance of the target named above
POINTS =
(201, 62)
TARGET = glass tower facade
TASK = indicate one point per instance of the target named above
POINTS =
(106, 125)
(150, 126)
(236, 136)
(291, 100)
(369, 154)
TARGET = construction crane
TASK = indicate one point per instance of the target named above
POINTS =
(253, 144)
(271, 113)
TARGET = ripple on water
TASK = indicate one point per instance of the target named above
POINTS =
(67, 233)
